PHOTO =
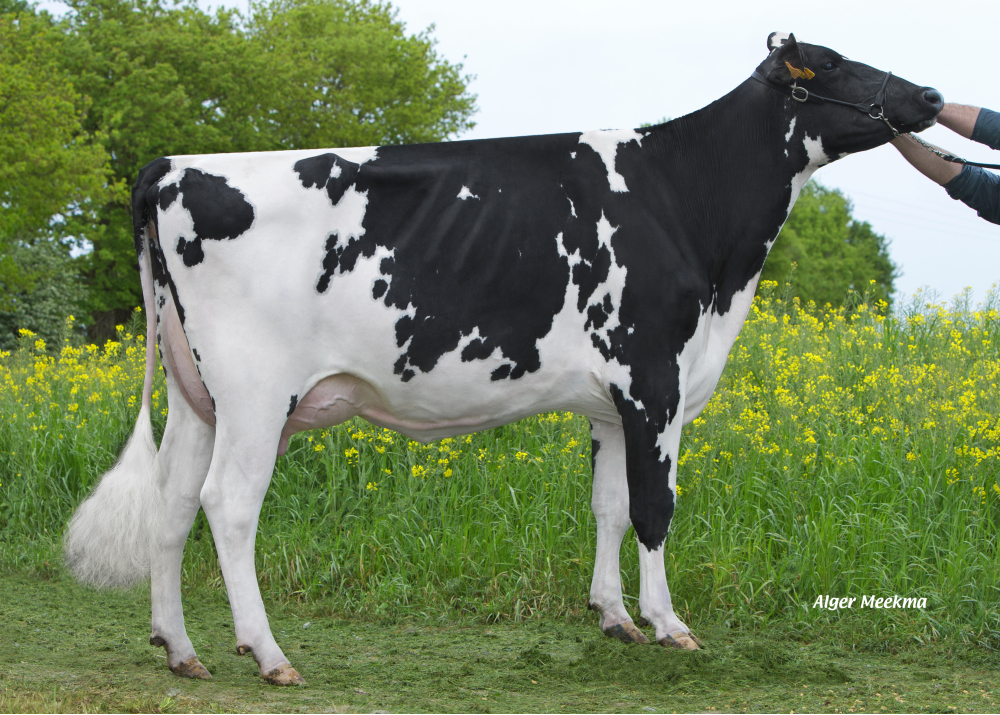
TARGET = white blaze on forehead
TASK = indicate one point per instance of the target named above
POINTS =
(466, 194)
(605, 143)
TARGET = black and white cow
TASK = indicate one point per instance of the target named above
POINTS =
(441, 289)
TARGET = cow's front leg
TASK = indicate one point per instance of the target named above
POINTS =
(610, 505)
(652, 441)
(234, 490)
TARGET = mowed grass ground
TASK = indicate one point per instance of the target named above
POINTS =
(846, 453)
(66, 648)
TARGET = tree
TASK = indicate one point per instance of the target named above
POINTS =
(299, 74)
(44, 305)
(342, 73)
(824, 252)
(52, 174)
(153, 76)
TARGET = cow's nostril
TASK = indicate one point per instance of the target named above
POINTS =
(933, 97)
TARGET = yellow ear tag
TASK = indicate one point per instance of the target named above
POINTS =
(796, 73)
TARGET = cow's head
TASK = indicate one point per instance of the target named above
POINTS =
(821, 72)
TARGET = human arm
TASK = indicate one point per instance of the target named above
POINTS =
(960, 118)
(972, 185)
(927, 163)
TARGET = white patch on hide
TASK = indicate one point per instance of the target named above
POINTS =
(466, 194)
(573, 257)
(605, 143)
(704, 356)
(348, 215)
(788, 135)
(817, 158)
(613, 285)
(357, 154)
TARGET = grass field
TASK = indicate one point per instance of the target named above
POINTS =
(846, 453)
(67, 649)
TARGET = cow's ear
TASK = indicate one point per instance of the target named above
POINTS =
(777, 39)
(784, 54)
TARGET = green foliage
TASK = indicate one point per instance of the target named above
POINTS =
(845, 454)
(14, 6)
(57, 291)
(341, 73)
(92, 98)
(52, 172)
(824, 253)
(152, 74)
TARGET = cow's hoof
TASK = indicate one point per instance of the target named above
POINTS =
(626, 632)
(191, 668)
(283, 675)
(681, 641)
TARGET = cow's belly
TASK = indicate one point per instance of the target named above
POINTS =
(340, 397)
(456, 396)
(337, 351)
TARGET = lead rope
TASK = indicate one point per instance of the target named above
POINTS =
(948, 157)
(881, 116)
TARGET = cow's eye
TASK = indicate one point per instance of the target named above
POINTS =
(828, 66)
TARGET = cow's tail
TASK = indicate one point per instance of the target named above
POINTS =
(113, 534)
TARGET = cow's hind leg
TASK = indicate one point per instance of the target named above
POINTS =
(246, 444)
(183, 461)
(610, 505)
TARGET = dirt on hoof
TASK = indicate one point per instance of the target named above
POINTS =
(681, 641)
(192, 668)
(626, 633)
(283, 675)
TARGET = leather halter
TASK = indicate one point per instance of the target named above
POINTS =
(873, 108)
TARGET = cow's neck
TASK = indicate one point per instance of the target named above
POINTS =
(736, 168)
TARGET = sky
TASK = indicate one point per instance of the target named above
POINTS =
(546, 66)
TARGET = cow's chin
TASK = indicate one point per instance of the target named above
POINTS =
(926, 124)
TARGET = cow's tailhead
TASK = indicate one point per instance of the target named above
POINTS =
(852, 107)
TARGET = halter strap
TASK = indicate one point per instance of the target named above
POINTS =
(801, 94)
(873, 109)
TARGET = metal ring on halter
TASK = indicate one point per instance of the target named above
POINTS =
(873, 114)
(805, 94)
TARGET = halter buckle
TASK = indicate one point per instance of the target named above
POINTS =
(804, 96)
